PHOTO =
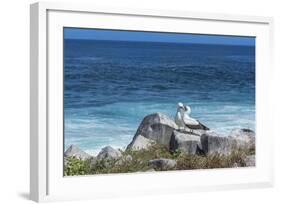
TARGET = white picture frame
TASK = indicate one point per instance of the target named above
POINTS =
(46, 162)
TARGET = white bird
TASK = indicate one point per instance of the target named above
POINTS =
(183, 120)
(179, 116)
(190, 122)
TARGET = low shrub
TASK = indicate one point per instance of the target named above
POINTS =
(137, 161)
(74, 166)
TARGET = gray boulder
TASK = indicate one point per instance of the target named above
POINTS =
(250, 161)
(185, 142)
(245, 138)
(74, 151)
(140, 142)
(123, 160)
(216, 144)
(157, 127)
(93, 162)
(108, 153)
(162, 164)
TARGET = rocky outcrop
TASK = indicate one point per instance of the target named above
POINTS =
(109, 153)
(215, 144)
(162, 164)
(140, 142)
(74, 151)
(238, 139)
(157, 127)
(187, 143)
(245, 138)
(160, 129)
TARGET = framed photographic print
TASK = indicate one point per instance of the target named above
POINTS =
(128, 101)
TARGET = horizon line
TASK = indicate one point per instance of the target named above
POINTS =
(155, 36)
(172, 42)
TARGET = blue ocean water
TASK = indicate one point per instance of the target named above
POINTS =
(109, 86)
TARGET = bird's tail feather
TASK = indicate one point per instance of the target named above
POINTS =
(204, 127)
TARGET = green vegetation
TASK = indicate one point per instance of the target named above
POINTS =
(76, 166)
(137, 161)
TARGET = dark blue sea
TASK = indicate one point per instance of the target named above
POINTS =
(110, 86)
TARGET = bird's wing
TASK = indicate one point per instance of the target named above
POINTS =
(180, 119)
(189, 121)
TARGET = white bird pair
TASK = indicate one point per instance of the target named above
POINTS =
(185, 122)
